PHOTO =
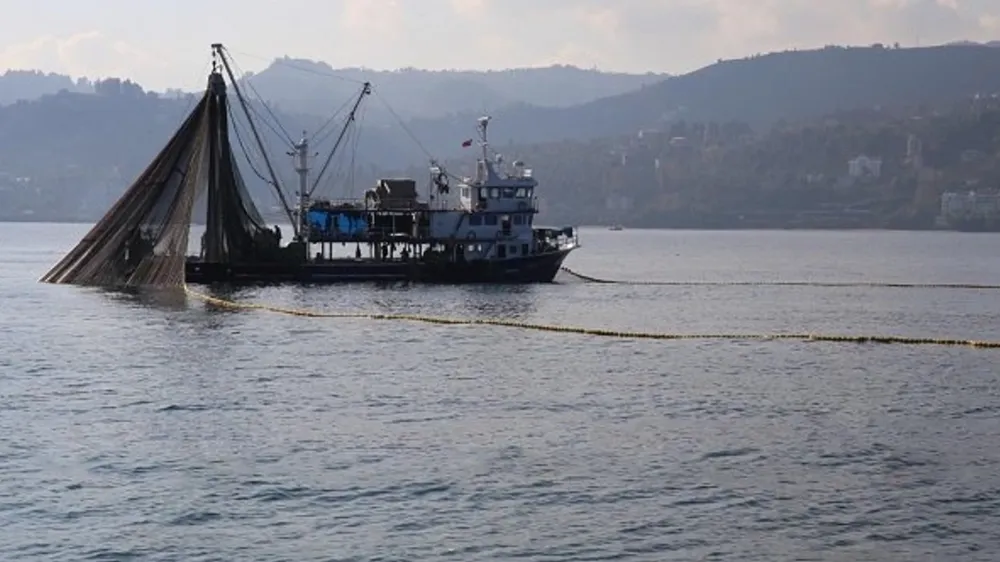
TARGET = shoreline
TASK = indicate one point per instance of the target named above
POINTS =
(734, 228)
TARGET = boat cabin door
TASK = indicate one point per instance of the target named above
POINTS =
(505, 225)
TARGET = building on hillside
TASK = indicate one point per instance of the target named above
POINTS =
(864, 166)
(972, 204)
(914, 152)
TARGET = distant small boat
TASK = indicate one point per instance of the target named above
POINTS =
(615, 227)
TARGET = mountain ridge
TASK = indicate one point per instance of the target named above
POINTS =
(316, 87)
(760, 90)
(71, 144)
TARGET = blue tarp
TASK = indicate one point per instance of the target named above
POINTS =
(334, 222)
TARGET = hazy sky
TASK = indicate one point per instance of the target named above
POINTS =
(163, 43)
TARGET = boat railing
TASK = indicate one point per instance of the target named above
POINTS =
(558, 238)
(373, 206)
(354, 203)
(570, 239)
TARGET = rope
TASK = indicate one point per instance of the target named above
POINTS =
(223, 303)
(246, 80)
(402, 125)
(785, 283)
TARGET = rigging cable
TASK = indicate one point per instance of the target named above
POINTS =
(366, 89)
(402, 125)
(396, 116)
(313, 139)
(277, 133)
(870, 284)
(662, 336)
(246, 153)
(219, 53)
(354, 150)
(413, 137)
(283, 62)
(337, 169)
(246, 80)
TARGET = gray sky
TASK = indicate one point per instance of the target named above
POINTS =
(165, 43)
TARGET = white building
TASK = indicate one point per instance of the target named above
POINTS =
(864, 166)
(971, 204)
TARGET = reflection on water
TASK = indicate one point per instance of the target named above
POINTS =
(158, 298)
(225, 291)
(131, 428)
(499, 301)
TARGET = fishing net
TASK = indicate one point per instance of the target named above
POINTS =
(143, 239)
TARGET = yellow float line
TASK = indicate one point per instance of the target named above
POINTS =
(223, 303)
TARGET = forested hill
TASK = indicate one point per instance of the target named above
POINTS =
(306, 86)
(758, 90)
(28, 85)
(314, 87)
(61, 148)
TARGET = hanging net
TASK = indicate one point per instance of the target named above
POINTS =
(143, 238)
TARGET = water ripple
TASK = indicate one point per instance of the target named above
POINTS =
(131, 431)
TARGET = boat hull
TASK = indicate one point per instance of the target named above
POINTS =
(541, 268)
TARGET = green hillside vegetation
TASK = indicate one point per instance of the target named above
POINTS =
(314, 87)
(721, 175)
(738, 143)
(759, 90)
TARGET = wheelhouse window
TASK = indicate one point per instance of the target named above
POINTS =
(508, 192)
(495, 193)
(491, 220)
(521, 193)
(484, 193)
(475, 220)
(518, 219)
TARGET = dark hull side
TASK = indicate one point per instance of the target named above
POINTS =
(532, 269)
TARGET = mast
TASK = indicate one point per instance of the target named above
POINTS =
(485, 167)
(301, 155)
(484, 122)
(213, 221)
(217, 49)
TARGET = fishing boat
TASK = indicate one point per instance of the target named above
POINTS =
(478, 229)
(481, 230)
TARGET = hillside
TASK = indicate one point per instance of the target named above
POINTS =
(721, 175)
(315, 87)
(305, 86)
(759, 90)
(26, 85)
(72, 153)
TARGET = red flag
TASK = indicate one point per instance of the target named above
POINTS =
(467, 143)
